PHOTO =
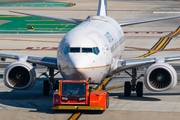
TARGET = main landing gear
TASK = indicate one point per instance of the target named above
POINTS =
(132, 86)
(50, 84)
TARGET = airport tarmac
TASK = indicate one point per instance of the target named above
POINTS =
(31, 104)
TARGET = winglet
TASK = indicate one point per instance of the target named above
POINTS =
(102, 11)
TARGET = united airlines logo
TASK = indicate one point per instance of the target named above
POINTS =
(109, 37)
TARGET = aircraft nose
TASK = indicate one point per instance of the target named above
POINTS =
(80, 67)
(81, 61)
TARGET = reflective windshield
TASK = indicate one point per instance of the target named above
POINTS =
(73, 88)
(66, 50)
(87, 50)
(94, 50)
(74, 49)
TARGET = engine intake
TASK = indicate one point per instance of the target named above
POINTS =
(160, 77)
(19, 75)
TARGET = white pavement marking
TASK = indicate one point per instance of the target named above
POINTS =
(166, 12)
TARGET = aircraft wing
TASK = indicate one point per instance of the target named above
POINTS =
(125, 64)
(126, 23)
(46, 61)
(50, 17)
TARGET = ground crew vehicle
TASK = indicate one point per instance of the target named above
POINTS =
(76, 95)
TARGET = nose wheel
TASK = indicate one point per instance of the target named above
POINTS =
(132, 86)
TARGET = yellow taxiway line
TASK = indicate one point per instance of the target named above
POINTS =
(75, 116)
(161, 44)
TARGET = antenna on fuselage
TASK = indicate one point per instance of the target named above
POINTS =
(102, 8)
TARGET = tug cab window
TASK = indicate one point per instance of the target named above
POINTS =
(73, 89)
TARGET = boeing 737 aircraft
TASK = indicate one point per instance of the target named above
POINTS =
(92, 51)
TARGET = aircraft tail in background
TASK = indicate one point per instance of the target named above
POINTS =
(102, 8)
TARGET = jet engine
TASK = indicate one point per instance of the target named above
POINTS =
(19, 75)
(160, 77)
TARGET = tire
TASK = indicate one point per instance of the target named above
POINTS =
(46, 88)
(139, 89)
(127, 89)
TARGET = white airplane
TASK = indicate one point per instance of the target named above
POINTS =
(92, 51)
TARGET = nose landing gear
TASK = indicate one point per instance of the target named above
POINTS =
(50, 84)
(132, 86)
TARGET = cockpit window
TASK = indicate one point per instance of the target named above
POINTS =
(74, 49)
(66, 50)
(96, 50)
(87, 50)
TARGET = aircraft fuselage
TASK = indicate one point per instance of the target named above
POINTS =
(90, 50)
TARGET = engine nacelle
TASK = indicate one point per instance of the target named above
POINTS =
(19, 75)
(160, 77)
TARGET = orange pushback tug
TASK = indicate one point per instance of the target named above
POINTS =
(76, 95)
